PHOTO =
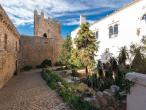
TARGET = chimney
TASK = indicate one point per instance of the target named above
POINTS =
(82, 19)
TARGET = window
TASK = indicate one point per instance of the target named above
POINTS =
(5, 42)
(116, 29)
(111, 30)
(144, 17)
(96, 34)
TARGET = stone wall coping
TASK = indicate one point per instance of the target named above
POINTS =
(138, 78)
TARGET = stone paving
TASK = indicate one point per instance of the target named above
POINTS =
(28, 91)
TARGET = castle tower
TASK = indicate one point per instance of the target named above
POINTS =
(48, 28)
(35, 23)
(39, 24)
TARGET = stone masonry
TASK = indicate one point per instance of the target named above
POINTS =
(34, 50)
(9, 48)
(45, 44)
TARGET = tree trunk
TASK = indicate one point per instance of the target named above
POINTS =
(86, 71)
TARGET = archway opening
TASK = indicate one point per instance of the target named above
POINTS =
(45, 35)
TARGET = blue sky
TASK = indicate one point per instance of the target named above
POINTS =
(66, 11)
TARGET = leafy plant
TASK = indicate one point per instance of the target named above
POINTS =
(65, 91)
(46, 63)
(75, 73)
(39, 66)
(75, 59)
(123, 55)
(58, 63)
(98, 83)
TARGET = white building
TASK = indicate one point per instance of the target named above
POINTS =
(122, 28)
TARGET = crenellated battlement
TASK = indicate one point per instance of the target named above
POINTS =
(48, 26)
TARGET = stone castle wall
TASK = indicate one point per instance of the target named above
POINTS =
(9, 48)
(34, 50)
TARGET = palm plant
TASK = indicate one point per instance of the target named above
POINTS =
(123, 55)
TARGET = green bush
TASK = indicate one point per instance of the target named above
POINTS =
(46, 63)
(65, 91)
(98, 83)
(74, 101)
(58, 63)
(27, 68)
(75, 73)
(39, 66)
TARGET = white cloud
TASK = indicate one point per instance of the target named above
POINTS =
(21, 11)
(72, 22)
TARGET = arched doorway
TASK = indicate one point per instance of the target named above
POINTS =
(45, 35)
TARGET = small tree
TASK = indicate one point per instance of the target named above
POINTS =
(66, 51)
(87, 46)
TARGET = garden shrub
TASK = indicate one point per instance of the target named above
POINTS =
(98, 83)
(27, 68)
(65, 91)
(46, 63)
(58, 63)
(75, 73)
(39, 66)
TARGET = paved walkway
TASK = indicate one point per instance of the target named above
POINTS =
(28, 91)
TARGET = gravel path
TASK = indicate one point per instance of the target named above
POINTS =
(28, 91)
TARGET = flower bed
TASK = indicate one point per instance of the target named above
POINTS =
(67, 92)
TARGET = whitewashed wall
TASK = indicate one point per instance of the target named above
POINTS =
(129, 21)
(73, 36)
(136, 100)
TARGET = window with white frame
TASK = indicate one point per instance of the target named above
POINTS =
(113, 30)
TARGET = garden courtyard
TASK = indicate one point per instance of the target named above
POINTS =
(77, 81)
(95, 66)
